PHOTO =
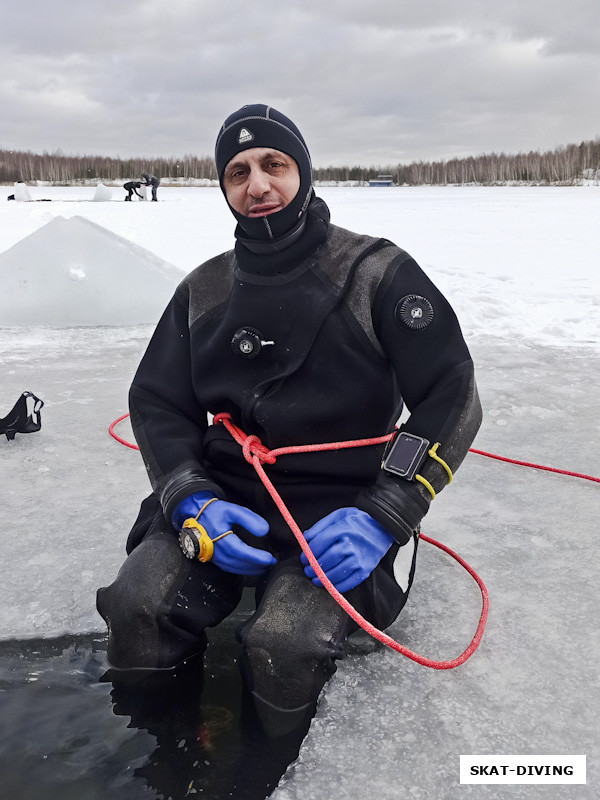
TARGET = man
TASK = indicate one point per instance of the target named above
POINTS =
(304, 333)
(131, 187)
(150, 180)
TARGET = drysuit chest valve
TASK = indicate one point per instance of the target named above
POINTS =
(248, 342)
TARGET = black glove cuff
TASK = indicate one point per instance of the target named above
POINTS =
(182, 486)
(397, 511)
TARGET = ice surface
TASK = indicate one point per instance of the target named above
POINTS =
(520, 267)
(388, 728)
(74, 272)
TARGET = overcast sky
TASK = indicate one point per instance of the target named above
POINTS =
(370, 82)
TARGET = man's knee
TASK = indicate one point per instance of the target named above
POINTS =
(292, 641)
(133, 604)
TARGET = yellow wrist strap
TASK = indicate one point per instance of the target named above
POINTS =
(432, 453)
(208, 502)
(426, 484)
(441, 461)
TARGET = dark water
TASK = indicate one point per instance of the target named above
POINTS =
(69, 732)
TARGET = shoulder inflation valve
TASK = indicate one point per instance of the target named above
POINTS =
(414, 312)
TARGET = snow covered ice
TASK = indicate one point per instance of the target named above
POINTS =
(520, 266)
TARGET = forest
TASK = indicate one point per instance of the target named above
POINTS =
(565, 165)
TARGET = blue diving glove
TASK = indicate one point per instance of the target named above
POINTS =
(348, 544)
(230, 553)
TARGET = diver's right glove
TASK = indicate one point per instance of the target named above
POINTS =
(220, 545)
(348, 544)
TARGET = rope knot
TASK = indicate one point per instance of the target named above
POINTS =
(253, 447)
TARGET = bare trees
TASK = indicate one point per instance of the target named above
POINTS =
(59, 168)
(564, 165)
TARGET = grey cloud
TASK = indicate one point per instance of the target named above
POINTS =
(373, 82)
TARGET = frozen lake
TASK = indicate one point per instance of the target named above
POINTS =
(520, 266)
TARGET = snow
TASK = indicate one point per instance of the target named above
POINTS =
(500, 254)
(520, 266)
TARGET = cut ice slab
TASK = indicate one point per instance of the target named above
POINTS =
(73, 272)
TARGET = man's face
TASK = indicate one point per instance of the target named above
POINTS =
(260, 181)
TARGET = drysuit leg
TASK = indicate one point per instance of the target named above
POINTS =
(161, 602)
(291, 644)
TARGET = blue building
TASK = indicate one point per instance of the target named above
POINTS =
(382, 180)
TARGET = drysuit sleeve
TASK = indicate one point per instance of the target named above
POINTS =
(167, 420)
(435, 377)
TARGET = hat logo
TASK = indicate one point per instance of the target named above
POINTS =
(245, 136)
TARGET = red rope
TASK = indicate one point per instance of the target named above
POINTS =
(256, 454)
(111, 430)
(536, 466)
(340, 445)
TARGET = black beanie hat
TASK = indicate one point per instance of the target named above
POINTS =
(262, 126)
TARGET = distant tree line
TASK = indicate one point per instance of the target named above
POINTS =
(59, 168)
(566, 164)
(563, 165)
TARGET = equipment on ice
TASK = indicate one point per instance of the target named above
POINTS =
(24, 417)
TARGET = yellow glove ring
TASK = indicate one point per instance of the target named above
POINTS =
(195, 541)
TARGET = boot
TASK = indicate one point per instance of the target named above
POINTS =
(19, 420)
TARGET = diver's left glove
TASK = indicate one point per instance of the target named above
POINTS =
(348, 544)
(228, 551)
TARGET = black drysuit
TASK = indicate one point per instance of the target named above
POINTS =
(131, 187)
(337, 363)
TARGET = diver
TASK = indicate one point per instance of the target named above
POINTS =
(132, 187)
(305, 333)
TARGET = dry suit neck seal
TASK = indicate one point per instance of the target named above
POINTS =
(286, 253)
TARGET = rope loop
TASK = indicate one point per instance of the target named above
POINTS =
(255, 453)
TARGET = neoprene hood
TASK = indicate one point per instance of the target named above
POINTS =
(262, 126)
